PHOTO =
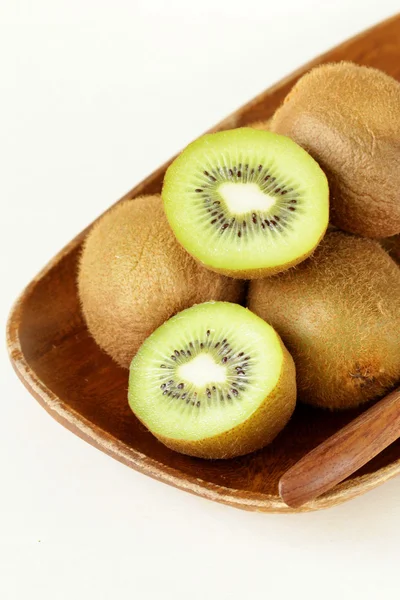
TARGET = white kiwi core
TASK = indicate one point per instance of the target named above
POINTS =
(202, 371)
(242, 198)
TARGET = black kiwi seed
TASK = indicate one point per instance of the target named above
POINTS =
(180, 386)
(198, 403)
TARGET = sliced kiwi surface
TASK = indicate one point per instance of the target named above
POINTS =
(245, 202)
(214, 381)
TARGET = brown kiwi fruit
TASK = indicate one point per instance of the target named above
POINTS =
(215, 381)
(392, 247)
(263, 125)
(133, 275)
(348, 118)
(338, 314)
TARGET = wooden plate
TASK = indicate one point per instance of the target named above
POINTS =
(84, 390)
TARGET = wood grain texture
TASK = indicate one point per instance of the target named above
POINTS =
(343, 453)
(80, 386)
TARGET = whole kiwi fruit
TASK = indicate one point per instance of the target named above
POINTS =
(338, 313)
(263, 125)
(392, 246)
(133, 275)
(348, 118)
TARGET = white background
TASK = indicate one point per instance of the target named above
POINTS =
(93, 96)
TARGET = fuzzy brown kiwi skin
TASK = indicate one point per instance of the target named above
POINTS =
(258, 431)
(263, 125)
(330, 114)
(392, 247)
(339, 316)
(133, 275)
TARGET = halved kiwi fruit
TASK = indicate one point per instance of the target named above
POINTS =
(133, 275)
(339, 315)
(348, 118)
(246, 203)
(215, 381)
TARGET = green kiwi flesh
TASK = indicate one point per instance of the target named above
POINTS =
(348, 118)
(246, 202)
(338, 314)
(215, 381)
(133, 275)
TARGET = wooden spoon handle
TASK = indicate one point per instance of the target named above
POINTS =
(343, 453)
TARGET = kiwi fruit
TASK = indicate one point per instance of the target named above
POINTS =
(348, 118)
(263, 125)
(392, 246)
(246, 203)
(215, 381)
(133, 275)
(338, 314)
